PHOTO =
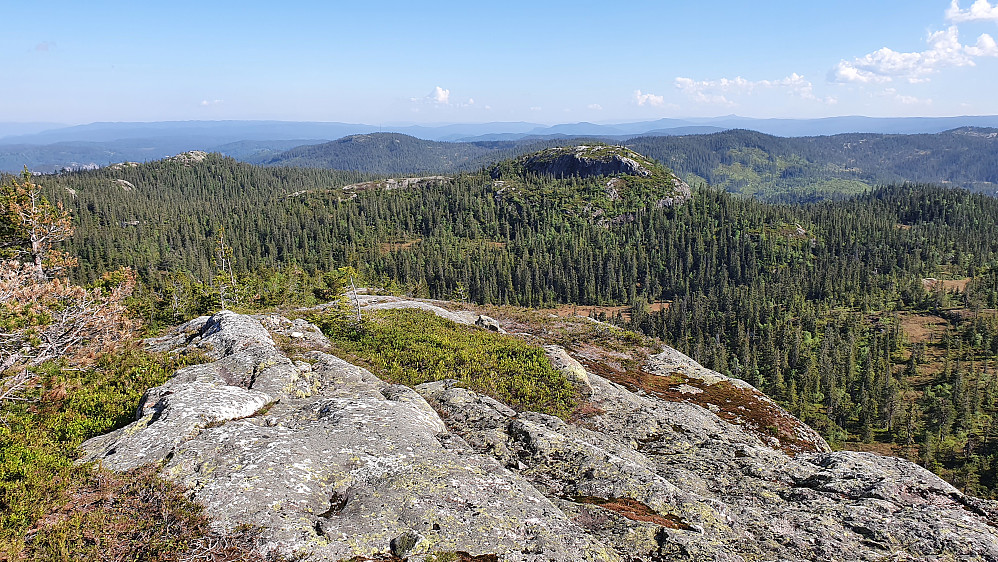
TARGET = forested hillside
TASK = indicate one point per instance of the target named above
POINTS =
(394, 153)
(812, 168)
(769, 168)
(829, 307)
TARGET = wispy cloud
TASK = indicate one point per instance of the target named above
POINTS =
(716, 92)
(904, 99)
(979, 10)
(44, 46)
(595, 107)
(206, 102)
(648, 99)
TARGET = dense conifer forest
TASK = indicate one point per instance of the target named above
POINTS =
(872, 318)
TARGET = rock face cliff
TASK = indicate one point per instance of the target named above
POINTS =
(332, 463)
(585, 161)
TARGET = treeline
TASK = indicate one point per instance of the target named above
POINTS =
(806, 302)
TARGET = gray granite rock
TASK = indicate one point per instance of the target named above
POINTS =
(342, 464)
(330, 463)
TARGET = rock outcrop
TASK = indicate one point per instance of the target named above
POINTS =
(585, 161)
(331, 463)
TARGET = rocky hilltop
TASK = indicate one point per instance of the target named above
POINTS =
(586, 161)
(609, 183)
(670, 461)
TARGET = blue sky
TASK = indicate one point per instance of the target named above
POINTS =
(549, 62)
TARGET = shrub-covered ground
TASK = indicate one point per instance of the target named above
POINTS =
(54, 509)
(410, 346)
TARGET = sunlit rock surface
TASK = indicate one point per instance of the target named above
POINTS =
(679, 463)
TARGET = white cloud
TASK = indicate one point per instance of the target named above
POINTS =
(887, 65)
(206, 103)
(535, 108)
(985, 47)
(648, 99)
(716, 91)
(439, 96)
(595, 106)
(979, 10)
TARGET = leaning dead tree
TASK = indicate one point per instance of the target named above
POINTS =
(48, 319)
(42, 316)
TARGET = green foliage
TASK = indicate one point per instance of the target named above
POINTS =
(410, 347)
(38, 438)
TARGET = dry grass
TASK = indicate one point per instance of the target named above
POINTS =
(947, 285)
(132, 516)
(567, 310)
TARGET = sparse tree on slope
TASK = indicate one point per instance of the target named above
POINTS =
(32, 227)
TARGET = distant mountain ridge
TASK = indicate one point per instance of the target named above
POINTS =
(51, 147)
(221, 132)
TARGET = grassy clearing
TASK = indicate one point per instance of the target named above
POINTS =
(410, 347)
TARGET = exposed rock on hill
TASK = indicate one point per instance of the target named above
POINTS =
(585, 161)
(332, 462)
(628, 181)
(189, 158)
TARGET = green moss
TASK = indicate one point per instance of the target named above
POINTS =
(410, 347)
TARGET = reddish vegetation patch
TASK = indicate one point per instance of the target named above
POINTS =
(592, 311)
(133, 516)
(584, 411)
(746, 407)
(886, 449)
(923, 328)
(458, 556)
(926, 329)
(463, 556)
(948, 285)
(635, 511)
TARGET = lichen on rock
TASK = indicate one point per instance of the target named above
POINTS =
(358, 467)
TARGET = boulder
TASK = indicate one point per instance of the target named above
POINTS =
(489, 323)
